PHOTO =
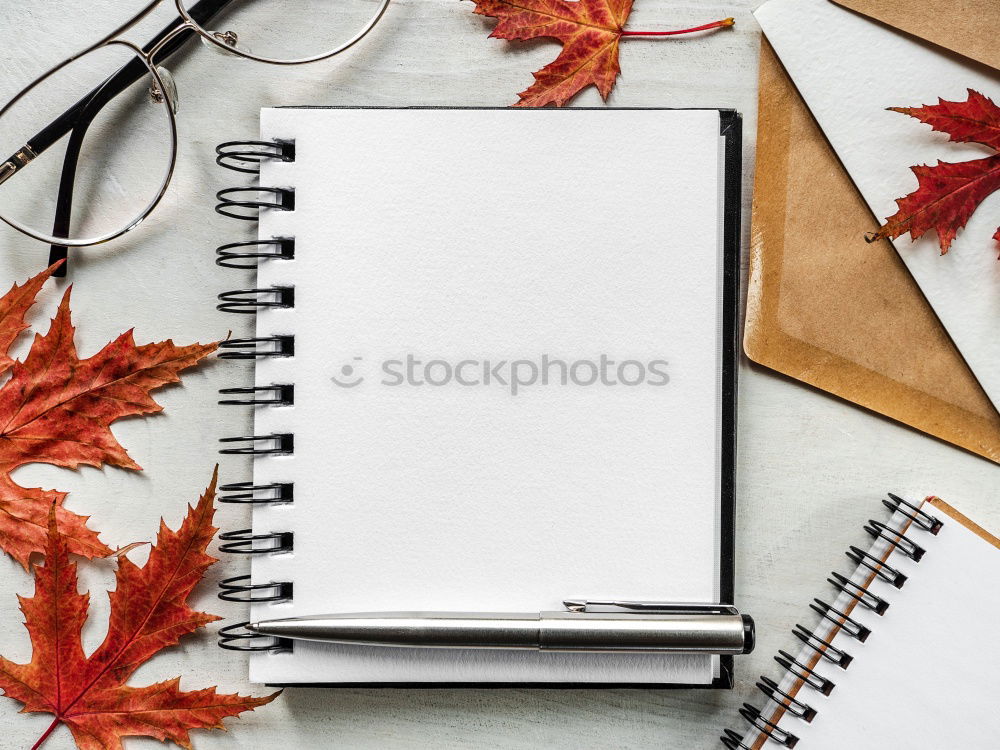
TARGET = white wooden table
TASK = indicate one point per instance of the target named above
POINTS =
(811, 467)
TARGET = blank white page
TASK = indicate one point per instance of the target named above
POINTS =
(444, 237)
(926, 677)
(849, 69)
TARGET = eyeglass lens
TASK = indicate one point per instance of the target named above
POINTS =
(110, 157)
(289, 30)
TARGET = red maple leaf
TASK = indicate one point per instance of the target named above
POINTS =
(948, 194)
(149, 611)
(590, 31)
(57, 409)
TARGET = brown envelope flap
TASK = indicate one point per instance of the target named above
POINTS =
(827, 308)
(968, 27)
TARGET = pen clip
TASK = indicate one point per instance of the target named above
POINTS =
(635, 607)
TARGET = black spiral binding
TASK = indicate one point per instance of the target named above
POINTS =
(248, 254)
(246, 156)
(247, 492)
(280, 395)
(278, 444)
(245, 542)
(267, 346)
(236, 637)
(239, 589)
(823, 650)
(248, 301)
(792, 704)
(245, 204)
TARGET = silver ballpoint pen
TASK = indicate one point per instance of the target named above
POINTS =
(585, 626)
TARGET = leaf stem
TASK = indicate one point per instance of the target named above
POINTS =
(724, 23)
(45, 736)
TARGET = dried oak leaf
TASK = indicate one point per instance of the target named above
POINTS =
(57, 409)
(149, 611)
(590, 31)
(947, 194)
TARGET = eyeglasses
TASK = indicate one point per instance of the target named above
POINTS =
(103, 161)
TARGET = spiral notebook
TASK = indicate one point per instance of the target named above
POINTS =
(494, 369)
(905, 656)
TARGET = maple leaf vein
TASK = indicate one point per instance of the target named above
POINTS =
(558, 17)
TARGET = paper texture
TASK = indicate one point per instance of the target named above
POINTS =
(494, 236)
(834, 311)
(848, 69)
(929, 655)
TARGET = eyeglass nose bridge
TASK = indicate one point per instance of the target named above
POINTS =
(168, 92)
(227, 43)
(229, 38)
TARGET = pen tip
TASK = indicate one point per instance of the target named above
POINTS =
(575, 605)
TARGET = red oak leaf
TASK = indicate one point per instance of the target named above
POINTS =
(948, 194)
(149, 611)
(13, 306)
(590, 31)
(57, 409)
(976, 120)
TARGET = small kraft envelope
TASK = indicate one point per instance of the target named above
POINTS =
(825, 307)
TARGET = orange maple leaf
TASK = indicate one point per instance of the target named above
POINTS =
(948, 194)
(149, 611)
(57, 409)
(590, 31)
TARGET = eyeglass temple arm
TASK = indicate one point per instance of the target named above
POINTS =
(202, 12)
(79, 117)
(64, 201)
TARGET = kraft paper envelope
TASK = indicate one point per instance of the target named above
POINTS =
(849, 68)
(829, 309)
(968, 27)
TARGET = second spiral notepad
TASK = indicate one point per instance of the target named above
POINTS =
(489, 374)
(901, 650)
